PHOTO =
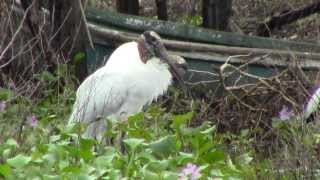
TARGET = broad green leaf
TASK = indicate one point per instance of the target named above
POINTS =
(5, 94)
(179, 120)
(164, 146)
(5, 170)
(231, 166)
(133, 143)
(12, 142)
(104, 161)
(135, 118)
(216, 173)
(63, 164)
(157, 166)
(183, 158)
(86, 144)
(51, 177)
(147, 174)
(244, 159)
(6, 153)
(209, 130)
(87, 155)
(72, 169)
(245, 132)
(146, 156)
(85, 177)
(205, 147)
(19, 161)
(167, 175)
(42, 148)
(50, 159)
(55, 138)
(80, 56)
(114, 174)
(276, 123)
(214, 156)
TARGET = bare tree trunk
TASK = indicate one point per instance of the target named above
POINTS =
(162, 9)
(31, 19)
(69, 27)
(128, 6)
(216, 13)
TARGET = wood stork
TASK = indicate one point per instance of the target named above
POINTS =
(135, 75)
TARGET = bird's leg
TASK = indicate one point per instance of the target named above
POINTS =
(123, 117)
(121, 135)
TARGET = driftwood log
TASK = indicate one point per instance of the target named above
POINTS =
(187, 32)
(208, 51)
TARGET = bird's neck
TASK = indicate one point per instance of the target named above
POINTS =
(143, 53)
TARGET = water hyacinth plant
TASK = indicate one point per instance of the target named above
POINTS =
(190, 171)
(3, 106)
(286, 113)
(32, 121)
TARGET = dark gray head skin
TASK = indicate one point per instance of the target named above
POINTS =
(153, 43)
(154, 47)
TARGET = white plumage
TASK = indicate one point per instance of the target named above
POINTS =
(312, 105)
(119, 89)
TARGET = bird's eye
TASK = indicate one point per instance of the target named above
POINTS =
(153, 39)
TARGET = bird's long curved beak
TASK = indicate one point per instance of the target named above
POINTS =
(172, 61)
(177, 74)
(181, 64)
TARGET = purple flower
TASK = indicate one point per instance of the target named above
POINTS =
(3, 106)
(32, 121)
(191, 171)
(285, 113)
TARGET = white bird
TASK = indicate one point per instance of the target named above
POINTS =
(135, 75)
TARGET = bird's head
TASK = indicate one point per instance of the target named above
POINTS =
(150, 46)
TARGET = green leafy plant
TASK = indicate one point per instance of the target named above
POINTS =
(154, 144)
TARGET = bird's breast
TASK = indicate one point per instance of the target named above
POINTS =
(157, 77)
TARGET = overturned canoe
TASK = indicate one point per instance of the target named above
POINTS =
(202, 48)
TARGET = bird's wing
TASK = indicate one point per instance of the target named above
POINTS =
(101, 94)
(312, 104)
(106, 94)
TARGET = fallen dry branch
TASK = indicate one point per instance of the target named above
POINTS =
(274, 22)
(228, 90)
(249, 101)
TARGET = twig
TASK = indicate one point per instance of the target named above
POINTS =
(86, 24)
(204, 72)
(240, 87)
(13, 57)
(14, 37)
(222, 68)
(60, 27)
(202, 82)
(262, 80)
